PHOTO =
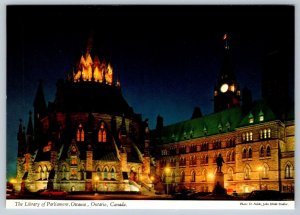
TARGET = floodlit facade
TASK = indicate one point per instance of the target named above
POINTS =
(257, 144)
(87, 139)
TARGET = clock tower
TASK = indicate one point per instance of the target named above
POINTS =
(226, 93)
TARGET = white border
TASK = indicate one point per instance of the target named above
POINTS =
(143, 205)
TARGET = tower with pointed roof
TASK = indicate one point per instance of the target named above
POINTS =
(226, 91)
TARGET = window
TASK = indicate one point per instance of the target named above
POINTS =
(244, 153)
(262, 151)
(113, 174)
(269, 133)
(230, 174)
(206, 159)
(250, 153)
(98, 172)
(288, 171)
(250, 136)
(193, 176)
(268, 152)
(73, 160)
(105, 175)
(251, 118)
(173, 177)
(228, 157)
(247, 173)
(182, 177)
(73, 173)
(265, 171)
(265, 133)
(261, 116)
(102, 134)
(80, 134)
(232, 156)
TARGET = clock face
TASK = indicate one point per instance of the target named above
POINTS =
(224, 88)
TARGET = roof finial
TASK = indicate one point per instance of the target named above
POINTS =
(225, 38)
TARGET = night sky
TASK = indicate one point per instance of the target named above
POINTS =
(167, 57)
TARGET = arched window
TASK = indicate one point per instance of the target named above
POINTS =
(232, 156)
(105, 173)
(247, 173)
(182, 177)
(80, 133)
(288, 171)
(250, 153)
(206, 159)
(193, 176)
(102, 138)
(244, 154)
(265, 171)
(230, 174)
(262, 151)
(113, 174)
(268, 152)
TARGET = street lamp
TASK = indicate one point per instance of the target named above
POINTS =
(167, 170)
(259, 172)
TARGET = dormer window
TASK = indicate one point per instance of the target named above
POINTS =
(102, 134)
(261, 116)
(220, 127)
(80, 133)
(251, 118)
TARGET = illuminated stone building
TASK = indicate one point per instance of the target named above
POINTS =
(87, 139)
(256, 144)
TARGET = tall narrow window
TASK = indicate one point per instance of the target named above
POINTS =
(182, 177)
(265, 133)
(247, 136)
(99, 172)
(102, 134)
(250, 153)
(268, 152)
(262, 152)
(269, 133)
(230, 174)
(233, 156)
(265, 171)
(244, 153)
(113, 174)
(80, 133)
(193, 177)
(105, 175)
(261, 134)
(247, 173)
(204, 175)
(250, 136)
(288, 171)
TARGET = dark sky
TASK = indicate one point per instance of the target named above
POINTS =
(168, 57)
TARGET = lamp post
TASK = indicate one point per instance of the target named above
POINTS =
(259, 176)
(167, 170)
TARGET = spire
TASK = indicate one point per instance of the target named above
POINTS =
(39, 104)
(30, 125)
